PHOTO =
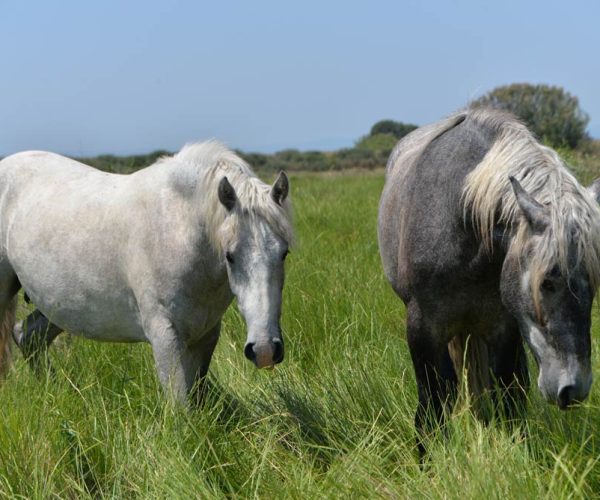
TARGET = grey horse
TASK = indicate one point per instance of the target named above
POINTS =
(154, 256)
(489, 240)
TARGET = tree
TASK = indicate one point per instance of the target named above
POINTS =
(376, 142)
(391, 127)
(550, 112)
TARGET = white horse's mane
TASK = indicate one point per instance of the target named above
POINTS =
(199, 168)
(489, 199)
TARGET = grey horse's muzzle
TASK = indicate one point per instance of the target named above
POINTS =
(265, 354)
(568, 391)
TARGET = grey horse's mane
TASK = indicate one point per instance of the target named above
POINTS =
(199, 168)
(489, 199)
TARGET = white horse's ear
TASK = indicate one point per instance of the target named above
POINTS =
(280, 188)
(594, 190)
(534, 212)
(227, 194)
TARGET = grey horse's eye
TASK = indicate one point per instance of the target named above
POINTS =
(229, 257)
(548, 286)
(285, 254)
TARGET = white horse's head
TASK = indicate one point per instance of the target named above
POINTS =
(255, 250)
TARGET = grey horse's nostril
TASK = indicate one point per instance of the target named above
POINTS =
(566, 396)
(277, 350)
(249, 352)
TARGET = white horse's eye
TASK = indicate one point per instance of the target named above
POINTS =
(229, 257)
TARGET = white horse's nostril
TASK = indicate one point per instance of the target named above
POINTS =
(277, 350)
(249, 352)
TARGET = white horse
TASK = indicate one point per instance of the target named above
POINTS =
(154, 256)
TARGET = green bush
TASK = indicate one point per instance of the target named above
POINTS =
(377, 143)
(391, 127)
(550, 112)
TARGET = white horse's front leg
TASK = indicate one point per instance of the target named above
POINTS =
(200, 355)
(181, 368)
(168, 350)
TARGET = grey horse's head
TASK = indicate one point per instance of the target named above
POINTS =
(255, 253)
(548, 289)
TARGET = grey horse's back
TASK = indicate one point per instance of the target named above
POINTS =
(420, 213)
(412, 145)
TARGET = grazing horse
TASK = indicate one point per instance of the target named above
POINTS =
(488, 240)
(155, 256)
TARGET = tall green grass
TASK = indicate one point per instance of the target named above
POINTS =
(334, 420)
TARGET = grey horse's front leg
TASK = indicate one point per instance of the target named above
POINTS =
(511, 374)
(182, 367)
(34, 335)
(434, 372)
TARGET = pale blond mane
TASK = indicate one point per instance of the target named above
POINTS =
(489, 199)
(200, 167)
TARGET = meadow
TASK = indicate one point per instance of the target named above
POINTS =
(335, 419)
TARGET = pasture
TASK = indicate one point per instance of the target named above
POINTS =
(334, 419)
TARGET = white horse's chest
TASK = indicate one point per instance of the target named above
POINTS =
(199, 305)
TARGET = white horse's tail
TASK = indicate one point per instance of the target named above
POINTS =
(7, 323)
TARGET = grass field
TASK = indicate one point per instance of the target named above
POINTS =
(334, 420)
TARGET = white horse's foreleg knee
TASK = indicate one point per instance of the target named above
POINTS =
(199, 361)
(168, 353)
(182, 368)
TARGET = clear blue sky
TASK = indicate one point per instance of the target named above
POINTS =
(89, 77)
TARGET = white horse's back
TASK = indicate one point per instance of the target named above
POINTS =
(60, 221)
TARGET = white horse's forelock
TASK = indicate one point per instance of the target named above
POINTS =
(200, 167)
(489, 199)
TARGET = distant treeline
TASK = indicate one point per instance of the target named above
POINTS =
(290, 160)
(369, 152)
(123, 164)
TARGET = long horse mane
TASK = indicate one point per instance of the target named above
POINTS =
(199, 167)
(489, 199)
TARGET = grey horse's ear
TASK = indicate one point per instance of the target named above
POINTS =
(534, 212)
(281, 188)
(227, 194)
(594, 190)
